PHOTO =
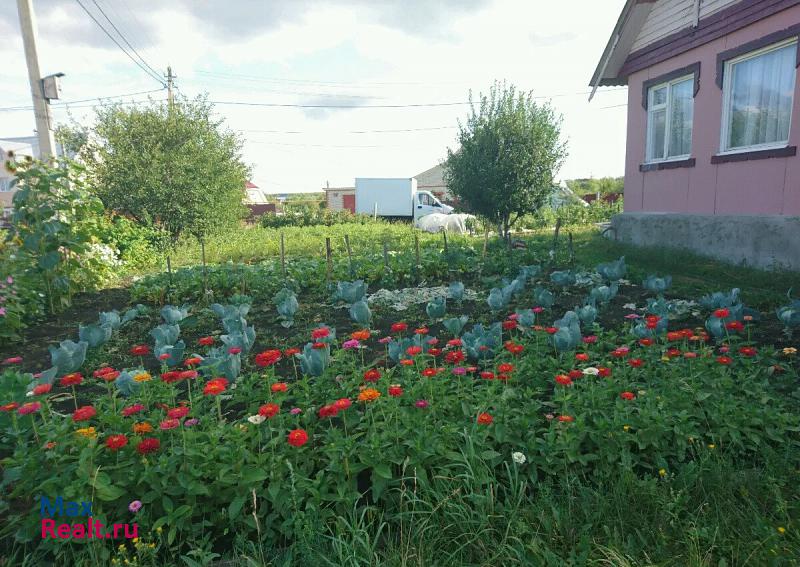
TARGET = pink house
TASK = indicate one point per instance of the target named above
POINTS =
(713, 126)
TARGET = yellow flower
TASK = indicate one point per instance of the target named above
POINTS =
(151, 545)
(626, 427)
(87, 432)
(662, 472)
(368, 395)
(159, 529)
(711, 446)
(781, 530)
(664, 359)
(121, 547)
(142, 377)
(135, 540)
(789, 351)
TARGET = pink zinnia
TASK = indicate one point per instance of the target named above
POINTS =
(351, 344)
(170, 424)
(13, 360)
(385, 340)
(295, 411)
(421, 404)
(30, 407)
(459, 370)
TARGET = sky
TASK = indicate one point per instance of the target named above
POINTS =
(360, 54)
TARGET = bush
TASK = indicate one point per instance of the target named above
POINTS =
(572, 215)
(306, 215)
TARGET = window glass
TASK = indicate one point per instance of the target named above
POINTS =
(759, 97)
(669, 120)
(681, 111)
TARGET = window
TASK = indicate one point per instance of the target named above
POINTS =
(425, 199)
(5, 185)
(670, 109)
(758, 89)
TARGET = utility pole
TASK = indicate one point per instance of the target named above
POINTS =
(170, 77)
(41, 106)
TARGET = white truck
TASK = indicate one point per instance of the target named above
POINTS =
(396, 197)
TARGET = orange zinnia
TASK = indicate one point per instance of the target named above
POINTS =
(368, 395)
(362, 335)
(142, 428)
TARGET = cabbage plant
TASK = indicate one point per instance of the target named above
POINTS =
(563, 279)
(568, 334)
(68, 356)
(543, 297)
(94, 335)
(612, 271)
(110, 319)
(499, 298)
(789, 315)
(587, 313)
(480, 342)
(174, 352)
(286, 304)
(126, 385)
(456, 291)
(360, 313)
(437, 307)
(220, 361)
(314, 361)
(656, 284)
(455, 324)
(604, 293)
(719, 299)
(172, 314)
(526, 318)
(350, 292)
(165, 334)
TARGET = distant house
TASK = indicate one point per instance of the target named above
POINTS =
(433, 180)
(340, 198)
(711, 161)
(256, 200)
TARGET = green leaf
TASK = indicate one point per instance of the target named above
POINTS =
(108, 492)
(50, 260)
(383, 471)
(236, 506)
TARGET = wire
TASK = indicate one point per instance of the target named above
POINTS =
(111, 37)
(98, 98)
(128, 43)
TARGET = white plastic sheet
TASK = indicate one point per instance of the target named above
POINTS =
(437, 222)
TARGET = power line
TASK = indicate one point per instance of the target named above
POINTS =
(97, 98)
(111, 37)
(128, 43)
(353, 131)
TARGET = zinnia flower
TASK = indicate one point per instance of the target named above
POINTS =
(566, 418)
(563, 380)
(518, 457)
(429, 372)
(142, 428)
(591, 371)
(215, 387)
(268, 358)
(320, 333)
(130, 410)
(72, 379)
(279, 387)
(350, 344)
(178, 413)
(635, 362)
(722, 313)
(485, 418)
(191, 422)
(289, 352)
(135, 506)
(256, 419)
(205, 341)
(84, 413)
(328, 411)
(724, 360)
(140, 350)
(421, 404)
(362, 335)
(234, 350)
(342, 404)
(9, 407)
(269, 410)
(88, 432)
(42, 389)
(116, 442)
(168, 424)
(30, 407)
(148, 445)
(12, 360)
(505, 368)
(142, 377)
(368, 395)
(395, 390)
(297, 437)
(398, 327)
(372, 375)
(413, 350)
(192, 361)
(627, 396)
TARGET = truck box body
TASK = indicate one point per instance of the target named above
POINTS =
(394, 197)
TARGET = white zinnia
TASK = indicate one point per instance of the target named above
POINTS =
(518, 457)
(257, 419)
(591, 371)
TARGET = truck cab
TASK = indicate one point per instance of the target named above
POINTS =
(426, 203)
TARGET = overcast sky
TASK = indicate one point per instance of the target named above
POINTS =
(339, 52)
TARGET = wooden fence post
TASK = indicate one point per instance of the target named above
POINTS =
(555, 239)
(205, 268)
(446, 249)
(328, 258)
(571, 250)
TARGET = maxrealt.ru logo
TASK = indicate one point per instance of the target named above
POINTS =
(91, 529)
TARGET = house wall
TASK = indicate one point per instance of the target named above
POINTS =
(669, 16)
(758, 187)
(334, 198)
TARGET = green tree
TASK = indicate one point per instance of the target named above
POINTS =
(173, 167)
(509, 151)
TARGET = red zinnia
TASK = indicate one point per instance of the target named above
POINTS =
(148, 445)
(627, 396)
(395, 391)
(279, 387)
(327, 411)
(566, 418)
(487, 375)
(722, 313)
(509, 325)
(9, 407)
(454, 356)
(234, 350)
(434, 351)
(485, 418)
(140, 350)
(164, 356)
(407, 362)
(564, 380)
(604, 371)
(342, 404)
(575, 374)
(269, 410)
(454, 343)
(84, 413)
(205, 341)
(187, 374)
(413, 350)
(421, 331)
(505, 368)
(734, 326)
(372, 375)
(513, 348)
(582, 357)
(42, 389)
(748, 351)
(215, 387)
(116, 442)
(130, 410)
(268, 358)
(297, 438)
(171, 376)
(177, 413)
(646, 342)
(291, 352)
(320, 333)
(636, 362)
(192, 361)
(724, 360)
(429, 372)
(72, 379)
(399, 327)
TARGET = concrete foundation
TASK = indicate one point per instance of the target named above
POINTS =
(769, 242)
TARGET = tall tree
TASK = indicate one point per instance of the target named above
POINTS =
(174, 167)
(509, 151)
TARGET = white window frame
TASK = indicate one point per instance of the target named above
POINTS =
(726, 100)
(651, 108)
